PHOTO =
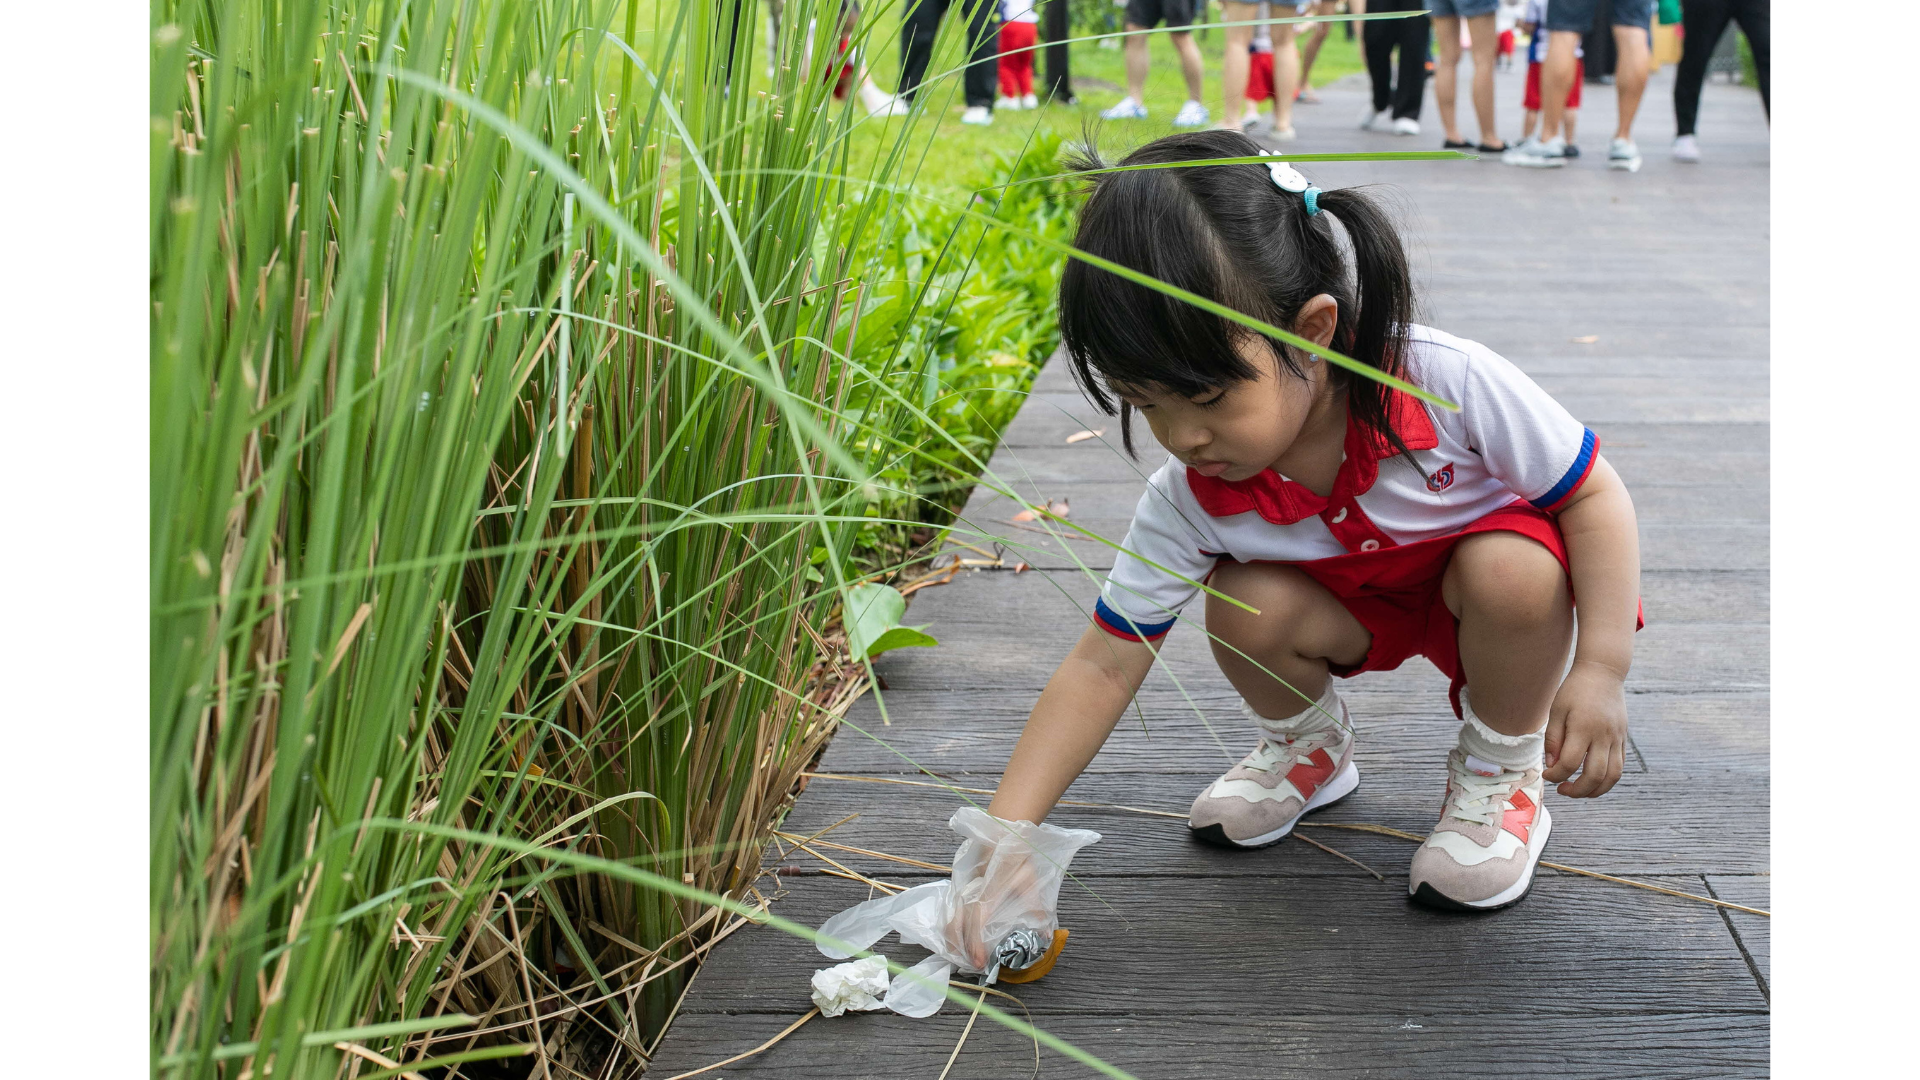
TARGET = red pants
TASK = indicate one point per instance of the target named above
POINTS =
(1532, 102)
(1016, 68)
(1260, 77)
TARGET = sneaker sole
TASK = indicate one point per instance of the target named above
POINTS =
(1632, 165)
(1428, 896)
(1538, 163)
(1341, 786)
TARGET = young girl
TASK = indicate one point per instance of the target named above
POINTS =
(1340, 526)
(1019, 32)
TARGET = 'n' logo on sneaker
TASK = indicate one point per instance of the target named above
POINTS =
(1307, 776)
(1519, 820)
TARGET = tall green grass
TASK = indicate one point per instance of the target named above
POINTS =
(505, 471)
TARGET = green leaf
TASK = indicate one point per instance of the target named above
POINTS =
(872, 617)
(901, 637)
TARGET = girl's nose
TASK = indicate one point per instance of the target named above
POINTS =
(1187, 439)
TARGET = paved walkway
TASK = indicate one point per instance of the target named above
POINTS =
(1641, 302)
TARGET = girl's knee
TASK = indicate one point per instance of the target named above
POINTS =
(1274, 591)
(1508, 579)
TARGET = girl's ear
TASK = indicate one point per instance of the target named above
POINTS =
(1317, 319)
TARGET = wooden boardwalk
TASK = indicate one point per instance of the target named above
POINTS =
(1188, 961)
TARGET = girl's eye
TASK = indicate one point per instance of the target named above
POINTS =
(1212, 401)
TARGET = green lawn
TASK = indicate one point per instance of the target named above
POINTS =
(960, 152)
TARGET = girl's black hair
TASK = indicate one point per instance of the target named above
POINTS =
(1227, 233)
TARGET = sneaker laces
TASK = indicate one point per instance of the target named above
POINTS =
(1283, 753)
(1481, 799)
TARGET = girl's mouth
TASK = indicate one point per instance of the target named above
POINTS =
(1210, 468)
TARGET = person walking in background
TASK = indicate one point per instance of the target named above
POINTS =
(1019, 33)
(1504, 20)
(1311, 41)
(1259, 74)
(918, 28)
(1702, 22)
(1478, 15)
(1536, 52)
(1143, 15)
(1396, 103)
(1566, 22)
(1235, 63)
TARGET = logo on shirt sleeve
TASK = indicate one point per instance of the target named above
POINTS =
(1441, 480)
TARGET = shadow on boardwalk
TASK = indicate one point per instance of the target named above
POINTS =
(1192, 962)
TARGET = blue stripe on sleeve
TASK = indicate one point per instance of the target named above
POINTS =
(1582, 464)
(1117, 624)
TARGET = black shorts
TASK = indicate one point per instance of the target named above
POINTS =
(1151, 13)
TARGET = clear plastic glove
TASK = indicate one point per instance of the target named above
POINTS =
(1003, 898)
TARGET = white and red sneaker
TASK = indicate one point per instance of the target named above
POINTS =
(1491, 833)
(1288, 775)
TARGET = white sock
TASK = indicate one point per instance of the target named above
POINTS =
(1310, 718)
(1516, 752)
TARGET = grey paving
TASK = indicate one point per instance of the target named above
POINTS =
(1191, 962)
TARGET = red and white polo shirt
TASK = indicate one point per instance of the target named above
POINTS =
(1510, 442)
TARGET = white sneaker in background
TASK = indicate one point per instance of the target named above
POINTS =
(1534, 154)
(1192, 114)
(1128, 109)
(1029, 102)
(1376, 121)
(977, 114)
(880, 103)
(1007, 103)
(1285, 134)
(1686, 148)
(1406, 125)
(1622, 154)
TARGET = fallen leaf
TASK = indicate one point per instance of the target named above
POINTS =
(1021, 568)
(1083, 436)
(1055, 508)
(1586, 339)
(1024, 515)
(1058, 508)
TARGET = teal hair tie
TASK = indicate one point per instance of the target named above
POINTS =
(1312, 195)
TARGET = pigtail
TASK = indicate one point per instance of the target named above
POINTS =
(1383, 302)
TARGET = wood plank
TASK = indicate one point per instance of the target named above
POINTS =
(1174, 730)
(1276, 1043)
(1140, 950)
(1650, 823)
(1753, 931)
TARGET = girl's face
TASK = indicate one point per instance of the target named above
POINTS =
(1238, 431)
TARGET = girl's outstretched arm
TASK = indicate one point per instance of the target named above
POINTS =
(1588, 722)
(1076, 712)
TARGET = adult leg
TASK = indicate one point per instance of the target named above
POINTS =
(1278, 659)
(1190, 66)
(1234, 63)
(1633, 61)
(1556, 78)
(1310, 48)
(1377, 39)
(983, 52)
(1757, 23)
(1136, 62)
(1516, 627)
(1409, 91)
(1286, 76)
(1445, 70)
(1701, 24)
(918, 27)
(1486, 54)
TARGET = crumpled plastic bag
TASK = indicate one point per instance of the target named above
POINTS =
(856, 986)
(1000, 908)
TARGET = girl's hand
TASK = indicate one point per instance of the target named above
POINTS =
(1587, 732)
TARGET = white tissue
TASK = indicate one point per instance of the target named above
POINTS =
(857, 985)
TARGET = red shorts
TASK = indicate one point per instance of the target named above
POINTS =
(1260, 76)
(1395, 593)
(1532, 102)
(1506, 43)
